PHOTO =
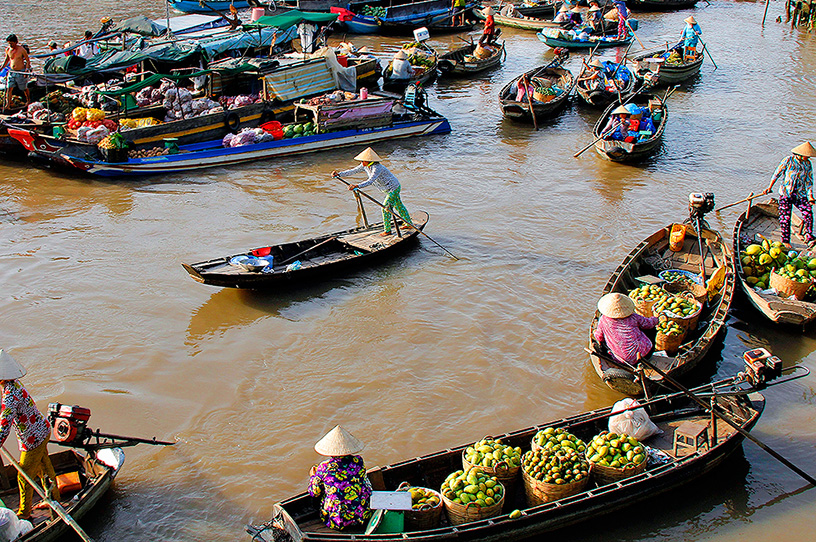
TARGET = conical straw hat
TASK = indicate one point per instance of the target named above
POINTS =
(690, 20)
(805, 149)
(338, 442)
(597, 63)
(616, 305)
(488, 11)
(9, 368)
(363, 50)
(368, 155)
(594, 8)
(620, 110)
(564, 8)
(401, 55)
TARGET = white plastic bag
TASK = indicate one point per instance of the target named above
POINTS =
(12, 527)
(634, 423)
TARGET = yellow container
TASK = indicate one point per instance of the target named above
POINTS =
(677, 237)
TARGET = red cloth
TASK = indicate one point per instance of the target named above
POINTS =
(345, 15)
(490, 24)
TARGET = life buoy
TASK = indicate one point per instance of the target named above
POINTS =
(232, 121)
(266, 116)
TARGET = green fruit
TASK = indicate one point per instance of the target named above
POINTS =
(753, 249)
(515, 514)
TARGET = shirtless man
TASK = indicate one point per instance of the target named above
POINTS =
(17, 59)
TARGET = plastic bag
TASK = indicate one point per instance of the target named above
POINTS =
(634, 423)
(12, 527)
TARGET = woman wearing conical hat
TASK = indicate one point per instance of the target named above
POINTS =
(33, 431)
(689, 38)
(795, 176)
(621, 328)
(340, 481)
(379, 176)
(617, 127)
(563, 14)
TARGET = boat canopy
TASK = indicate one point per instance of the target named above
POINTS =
(292, 18)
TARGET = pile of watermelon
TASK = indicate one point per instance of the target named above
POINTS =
(299, 130)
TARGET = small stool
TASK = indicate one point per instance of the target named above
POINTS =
(692, 435)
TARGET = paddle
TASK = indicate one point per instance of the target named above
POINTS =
(705, 50)
(396, 217)
(311, 248)
(57, 507)
(633, 33)
(621, 63)
(727, 419)
(749, 198)
(525, 82)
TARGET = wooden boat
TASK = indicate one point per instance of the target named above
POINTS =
(193, 6)
(403, 19)
(538, 9)
(212, 153)
(424, 74)
(299, 515)
(600, 96)
(763, 219)
(530, 21)
(660, 5)
(665, 74)
(557, 38)
(622, 151)
(462, 62)
(97, 468)
(649, 258)
(556, 76)
(324, 257)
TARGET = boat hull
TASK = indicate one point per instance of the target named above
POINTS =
(621, 151)
(589, 44)
(522, 110)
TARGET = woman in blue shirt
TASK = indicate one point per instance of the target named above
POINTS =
(795, 174)
(689, 38)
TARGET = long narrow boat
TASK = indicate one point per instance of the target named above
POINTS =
(623, 151)
(654, 61)
(423, 74)
(650, 257)
(299, 515)
(661, 5)
(557, 38)
(461, 61)
(763, 219)
(324, 257)
(533, 22)
(212, 153)
(538, 9)
(599, 95)
(405, 18)
(559, 77)
(193, 6)
(97, 470)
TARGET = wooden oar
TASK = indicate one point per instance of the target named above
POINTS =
(727, 419)
(633, 33)
(705, 50)
(750, 197)
(311, 248)
(396, 217)
(527, 85)
(57, 507)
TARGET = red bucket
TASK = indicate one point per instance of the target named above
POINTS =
(271, 126)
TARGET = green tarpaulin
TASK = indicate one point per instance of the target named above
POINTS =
(152, 80)
(291, 18)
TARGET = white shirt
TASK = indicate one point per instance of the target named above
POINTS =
(88, 50)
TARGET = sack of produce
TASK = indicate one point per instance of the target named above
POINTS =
(615, 457)
(632, 423)
(556, 472)
(645, 297)
(466, 501)
(495, 459)
(426, 508)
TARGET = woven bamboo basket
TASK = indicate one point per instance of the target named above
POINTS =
(465, 513)
(788, 287)
(504, 473)
(539, 492)
(644, 306)
(427, 517)
(688, 323)
(669, 343)
(606, 475)
(697, 291)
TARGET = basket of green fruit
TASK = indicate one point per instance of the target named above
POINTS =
(550, 474)
(496, 459)
(669, 336)
(471, 495)
(682, 309)
(645, 297)
(791, 281)
(615, 457)
(426, 508)
(556, 438)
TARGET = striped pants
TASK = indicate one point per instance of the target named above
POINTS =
(392, 201)
(621, 27)
(785, 208)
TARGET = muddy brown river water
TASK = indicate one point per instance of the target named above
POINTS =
(424, 352)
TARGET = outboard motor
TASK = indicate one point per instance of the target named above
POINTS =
(70, 423)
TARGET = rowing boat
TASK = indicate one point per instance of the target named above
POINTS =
(661, 5)
(557, 77)
(461, 61)
(324, 257)
(595, 93)
(649, 258)
(623, 151)
(423, 73)
(677, 466)
(762, 219)
(554, 37)
(654, 61)
(97, 469)
(528, 21)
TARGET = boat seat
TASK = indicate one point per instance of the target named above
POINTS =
(370, 240)
(692, 436)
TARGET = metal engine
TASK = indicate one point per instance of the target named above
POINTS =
(760, 367)
(69, 422)
(700, 204)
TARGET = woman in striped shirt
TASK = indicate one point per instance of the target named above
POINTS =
(795, 188)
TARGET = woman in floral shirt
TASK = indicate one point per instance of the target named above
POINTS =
(33, 432)
(341, 481)
(795, 174)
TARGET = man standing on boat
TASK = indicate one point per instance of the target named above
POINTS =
(16, 59)
(33, 431)
(623, 15)
(458, 11)
(490, 32)
(795, 174)
(690, 39)
(383, 179)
